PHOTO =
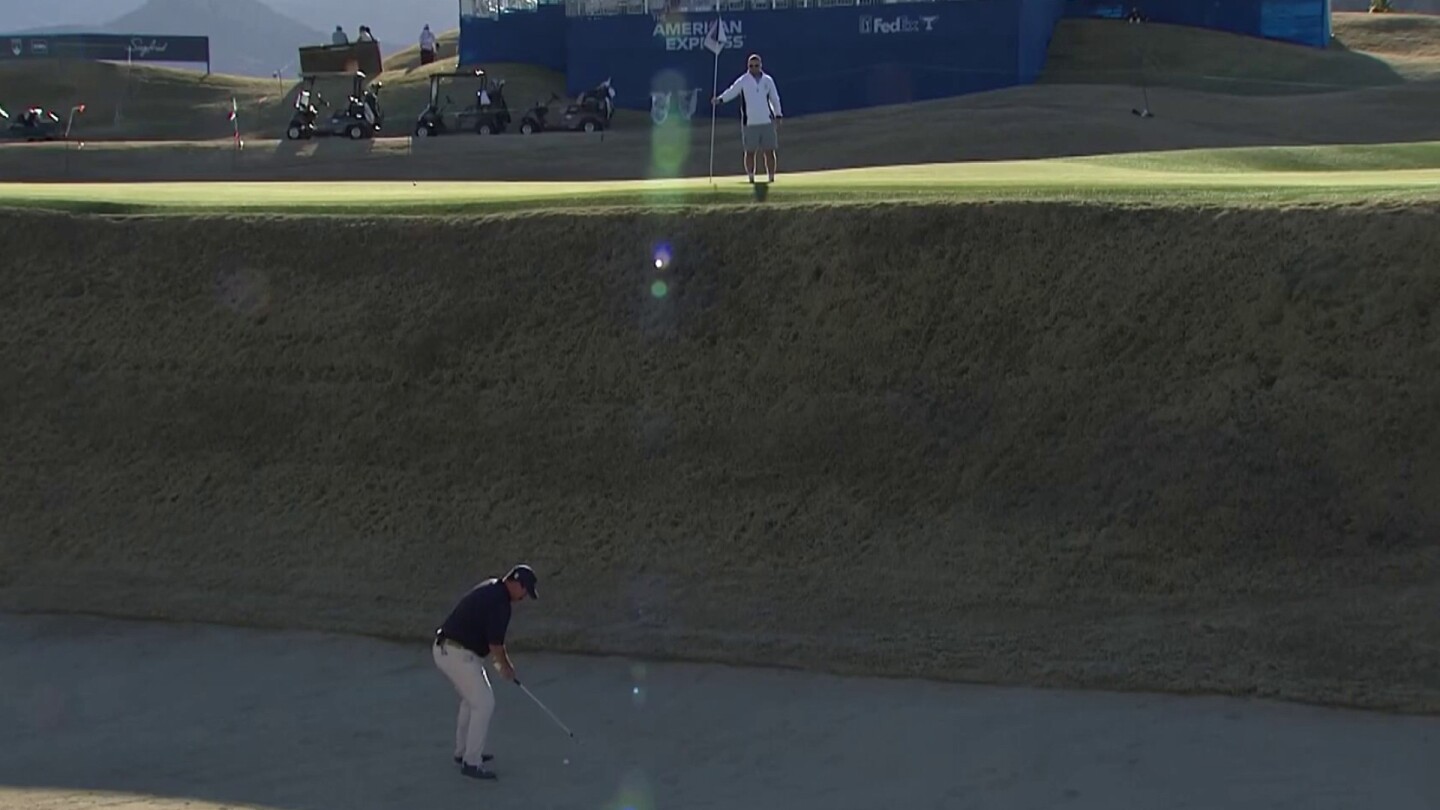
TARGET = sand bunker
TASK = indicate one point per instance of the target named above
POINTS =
(214, 719)
(1160, 449)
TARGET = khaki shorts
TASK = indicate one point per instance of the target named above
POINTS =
(758, 137)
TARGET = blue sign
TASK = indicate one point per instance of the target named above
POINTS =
(107, 47)
(526, 37)
(822, 59)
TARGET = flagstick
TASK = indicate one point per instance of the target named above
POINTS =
(715, 84)
(714, 90)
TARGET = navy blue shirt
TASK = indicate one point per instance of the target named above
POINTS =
(480, 618)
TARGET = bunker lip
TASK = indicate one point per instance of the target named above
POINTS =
(1122, 448)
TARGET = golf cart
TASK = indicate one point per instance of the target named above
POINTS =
(360, 118)
(591, 112)
(35, 124)
(487, 114)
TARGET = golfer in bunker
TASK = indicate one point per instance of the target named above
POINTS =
(475, 630)
(760, 115)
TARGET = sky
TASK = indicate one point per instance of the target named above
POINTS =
(392, 22)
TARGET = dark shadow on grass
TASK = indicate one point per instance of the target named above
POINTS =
(335, 147)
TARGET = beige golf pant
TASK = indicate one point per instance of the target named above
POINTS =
(466, 671)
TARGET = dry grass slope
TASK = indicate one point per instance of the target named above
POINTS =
(1150, 448)
(1406, 36)
(139, 102)
(447, 47)
(1368, 51)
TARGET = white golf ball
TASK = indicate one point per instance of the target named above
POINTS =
(567, 761)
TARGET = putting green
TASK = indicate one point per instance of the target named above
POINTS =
(1328, 174)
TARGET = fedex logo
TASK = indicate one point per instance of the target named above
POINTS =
(903, 24)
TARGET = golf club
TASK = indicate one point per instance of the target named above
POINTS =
(546, 710)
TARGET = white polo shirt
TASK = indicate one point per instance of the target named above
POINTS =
(761, 98)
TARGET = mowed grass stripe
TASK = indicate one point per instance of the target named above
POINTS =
(1241, 176)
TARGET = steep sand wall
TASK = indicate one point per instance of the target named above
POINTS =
(1046, 444)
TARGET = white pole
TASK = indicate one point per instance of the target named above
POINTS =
(715, 86)
(714, 90)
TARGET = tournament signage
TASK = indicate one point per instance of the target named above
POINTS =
(108, 47)
(825, 57)
(689, 35)
(899, 24)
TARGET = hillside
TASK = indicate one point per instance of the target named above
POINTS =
(157, 103)
(395, 25)
(1368, 51)
(1399, 6)
(247, 37)
(407, 58)
(140, 102)
(18, 16)
(1411, 42)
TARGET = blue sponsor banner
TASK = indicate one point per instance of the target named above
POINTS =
(533, 36)
(1306, 22)
(822, 59)
(1037, 26)
(107, 47)
(1303, 22)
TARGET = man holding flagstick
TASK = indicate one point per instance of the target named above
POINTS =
(761, 114)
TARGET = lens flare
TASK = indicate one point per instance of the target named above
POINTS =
(659, 289)
(672, 105)
(637, 688)
(635, 793)
(662, 257)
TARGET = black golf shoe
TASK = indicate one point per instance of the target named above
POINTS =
(483, 758)
(476, 772)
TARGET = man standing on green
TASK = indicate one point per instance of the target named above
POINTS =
(760, 115)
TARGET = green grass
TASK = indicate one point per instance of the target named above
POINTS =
(1329, 158)
(1264, 176)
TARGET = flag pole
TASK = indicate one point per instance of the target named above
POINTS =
(715, 86)
(714, 89)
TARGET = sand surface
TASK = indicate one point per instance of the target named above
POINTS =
(148, 716)
(1148, 448)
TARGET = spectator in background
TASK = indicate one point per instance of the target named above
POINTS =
(339, 38)
(427, 46)
(365, 35)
